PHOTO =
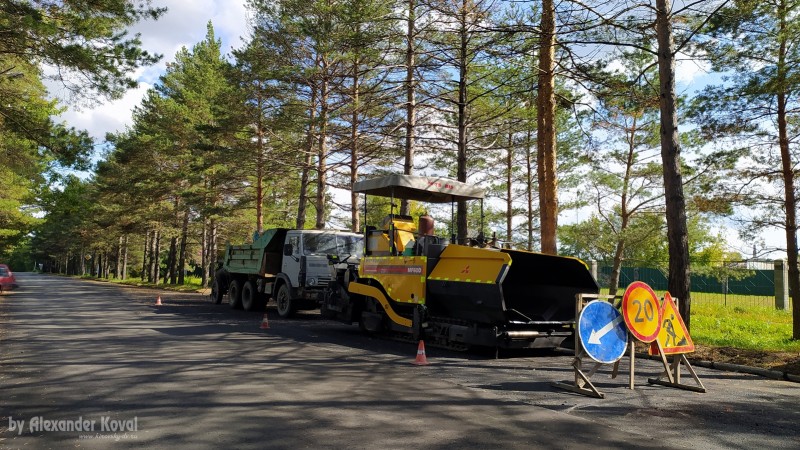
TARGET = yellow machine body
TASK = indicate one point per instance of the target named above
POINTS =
(470, 265)
(397, 228)
(402, 277)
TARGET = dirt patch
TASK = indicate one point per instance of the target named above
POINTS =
(788, 362)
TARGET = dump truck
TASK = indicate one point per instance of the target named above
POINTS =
(413, 283)
(292, 266)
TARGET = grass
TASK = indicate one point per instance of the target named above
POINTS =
(747, 322)
(191, 284)
(753, 328)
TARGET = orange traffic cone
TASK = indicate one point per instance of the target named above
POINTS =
(265, 322)
(158, 301)
(421, 359)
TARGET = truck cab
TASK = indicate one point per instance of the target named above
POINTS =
(291, 266)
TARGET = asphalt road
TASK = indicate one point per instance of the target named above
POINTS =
(78, 354)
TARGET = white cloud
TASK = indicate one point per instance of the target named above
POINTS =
(183, 25)
(687, 69)
(107, 117)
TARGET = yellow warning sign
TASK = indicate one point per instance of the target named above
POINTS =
(673, 336)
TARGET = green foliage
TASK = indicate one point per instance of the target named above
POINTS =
(16, 219)
(87, 45)
(86, 41)
(749, 328)
(66, 229)
(750, 43)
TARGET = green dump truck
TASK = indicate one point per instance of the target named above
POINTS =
(292, 266)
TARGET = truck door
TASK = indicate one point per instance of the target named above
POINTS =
(291, 264)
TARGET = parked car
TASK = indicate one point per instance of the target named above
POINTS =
(7, 279)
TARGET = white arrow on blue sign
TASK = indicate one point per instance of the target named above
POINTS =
(602, 332)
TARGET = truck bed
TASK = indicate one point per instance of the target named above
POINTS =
(262, 257)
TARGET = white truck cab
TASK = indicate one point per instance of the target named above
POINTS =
(292, 266)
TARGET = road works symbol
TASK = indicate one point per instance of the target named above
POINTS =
(601, 332)
(641, 311)
(673, 337)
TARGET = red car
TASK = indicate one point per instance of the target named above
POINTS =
(7, 279)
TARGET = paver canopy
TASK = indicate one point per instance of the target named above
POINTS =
(419, 188)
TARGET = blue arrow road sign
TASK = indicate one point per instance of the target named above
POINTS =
(602, 332)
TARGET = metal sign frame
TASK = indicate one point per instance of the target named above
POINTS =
(582, 384)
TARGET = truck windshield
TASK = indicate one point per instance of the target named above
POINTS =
(332, 244)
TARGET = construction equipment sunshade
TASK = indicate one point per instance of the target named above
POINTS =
(419, 188)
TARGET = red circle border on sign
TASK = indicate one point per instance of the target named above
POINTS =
(633, 286)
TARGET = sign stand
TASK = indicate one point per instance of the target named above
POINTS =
(601, 337)
(673, 373)
(672, 370)
(632, 356)
(582, 383)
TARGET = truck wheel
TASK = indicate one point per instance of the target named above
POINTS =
(284, 302)
(235, 294)
(249, 296)
(216, 292)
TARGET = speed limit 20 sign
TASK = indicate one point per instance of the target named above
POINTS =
(641, 311)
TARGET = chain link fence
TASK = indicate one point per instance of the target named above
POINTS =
(728, 283)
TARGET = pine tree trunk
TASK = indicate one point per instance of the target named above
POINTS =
(212, 253)
(529, 187)
(151, 257)
(546, 132)
(204, 250)
(509, 200)
(616, 268)
(354, 151)
(461, 158)
(322, 152)
(309, 149)
(83, 262)
(173, 260)
(157, 258)
(182, 249)
(677, 234)
(118, 267)
(106, 264)
(125, 258)
(260, 162)
(145, 255)
(790, 201)
(411, 98)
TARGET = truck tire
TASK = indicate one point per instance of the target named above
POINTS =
(235, 294)
(249, 296)
(216, 292)
(283, 299)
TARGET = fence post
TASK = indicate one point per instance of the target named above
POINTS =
(593, 264)
(781, 285)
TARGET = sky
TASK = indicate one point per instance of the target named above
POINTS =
(184, 24)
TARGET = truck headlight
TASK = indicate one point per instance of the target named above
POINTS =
(312, 281)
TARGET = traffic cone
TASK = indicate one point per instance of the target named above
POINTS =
(265, 322)
(158, 301)
(421, 359)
